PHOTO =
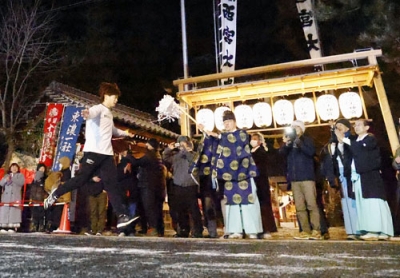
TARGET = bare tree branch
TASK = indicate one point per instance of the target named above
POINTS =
(25, 49)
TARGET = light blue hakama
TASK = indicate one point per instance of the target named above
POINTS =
(373, 214)
(244, 217)
(348, 207)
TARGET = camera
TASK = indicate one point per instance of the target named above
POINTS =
(177, 145)
(290, 133)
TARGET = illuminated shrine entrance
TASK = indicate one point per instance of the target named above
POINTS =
(288, 84)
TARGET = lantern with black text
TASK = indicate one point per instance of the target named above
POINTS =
(304, 109)
(219, 123)
(328, 107)
(205, 117)
(350, 105)
(283, 112)
(262, 114)
(244, 116)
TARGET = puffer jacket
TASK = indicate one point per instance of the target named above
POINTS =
(300, 159)
(37, 192)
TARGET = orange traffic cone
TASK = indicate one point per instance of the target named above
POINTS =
(65, 227)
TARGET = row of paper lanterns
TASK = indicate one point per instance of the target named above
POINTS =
(284, 111)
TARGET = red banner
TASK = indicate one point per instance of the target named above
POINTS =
(50, 132)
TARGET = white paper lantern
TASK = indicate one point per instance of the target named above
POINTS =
(219, 123)
(283, 112)
(350, 105)
(205, 117)
(244, 116)
(304, 110)
(262, 114)
(328, 107)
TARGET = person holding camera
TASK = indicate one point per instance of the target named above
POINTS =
(338, 167)
(299, 151)
(184, 189)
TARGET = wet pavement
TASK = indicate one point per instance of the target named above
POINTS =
(43, 255)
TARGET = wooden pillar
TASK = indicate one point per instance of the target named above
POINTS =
(386, 113)
(185, 124)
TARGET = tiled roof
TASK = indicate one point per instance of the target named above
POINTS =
(61, 93)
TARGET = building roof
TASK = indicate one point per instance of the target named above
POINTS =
(61, 93)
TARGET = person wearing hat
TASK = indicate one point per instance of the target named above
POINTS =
(184, 188)
(233, 169)
(338, 165)
(299, 151)
(152, 185)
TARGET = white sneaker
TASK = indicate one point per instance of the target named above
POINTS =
(3, 231)
(98, 234)
(122, 234)
(266, 236)
(253, 236)
(50, 200)
(11, 231)
(370, 237)
(235, 236)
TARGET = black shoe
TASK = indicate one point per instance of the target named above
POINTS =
(181, 235)
(197, 236)
(124, 220)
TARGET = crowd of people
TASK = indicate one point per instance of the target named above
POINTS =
(223, 176)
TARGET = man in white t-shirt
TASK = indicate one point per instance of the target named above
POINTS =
(98, 153)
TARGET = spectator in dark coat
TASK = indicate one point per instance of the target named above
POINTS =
(259, 153)
(184, 188)
(127, 180)
(299, 150)
(152, 186)
(396, 214)
(37, 195)
(337, 167)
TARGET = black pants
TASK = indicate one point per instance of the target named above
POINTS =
(184, 203)
(267, 214)
(209, 198)
(91, 163)
(152, 200)
(171, 203)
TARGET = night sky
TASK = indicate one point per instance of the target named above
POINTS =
(138, 44)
